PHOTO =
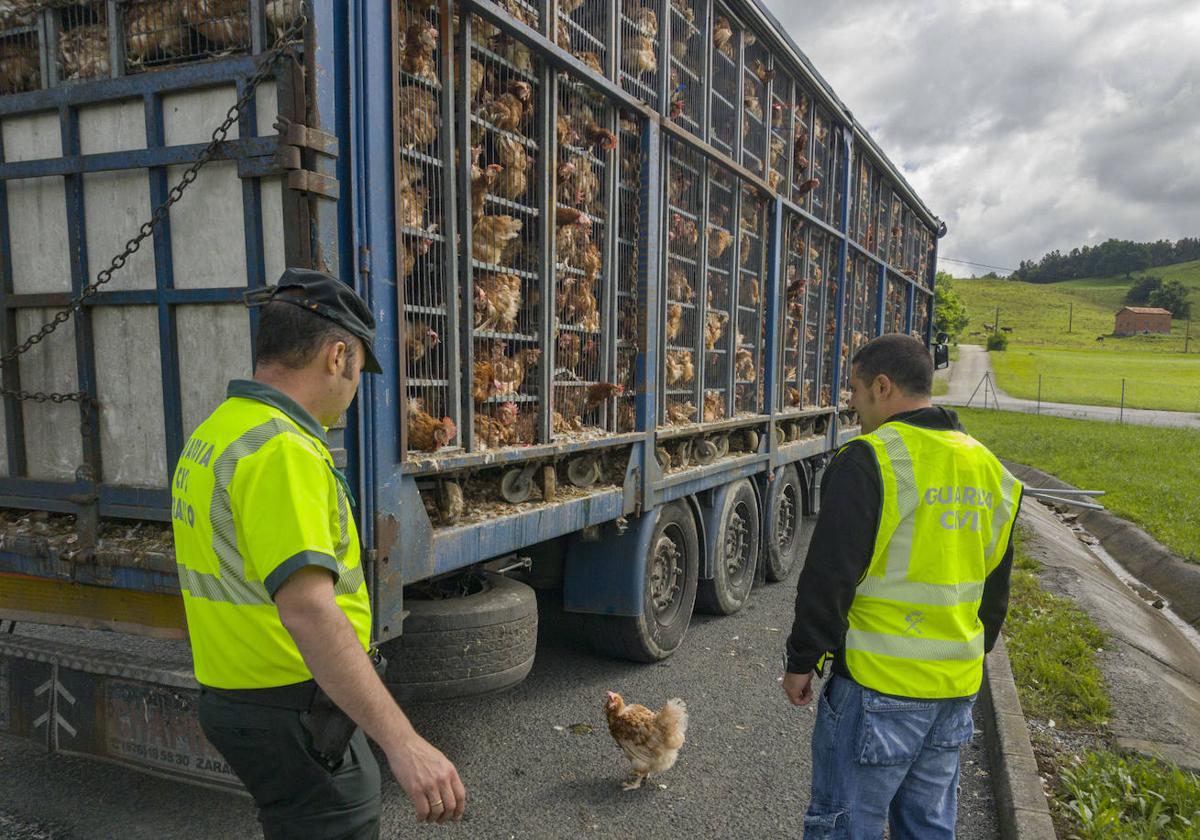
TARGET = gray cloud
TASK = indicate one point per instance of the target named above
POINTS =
(1026, 125)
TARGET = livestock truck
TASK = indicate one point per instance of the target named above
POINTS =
(619, 254)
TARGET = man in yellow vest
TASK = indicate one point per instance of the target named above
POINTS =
(271, 572)
(906, 585)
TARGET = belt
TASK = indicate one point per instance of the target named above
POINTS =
(298, 696)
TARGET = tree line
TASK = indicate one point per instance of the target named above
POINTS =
(1116, 256)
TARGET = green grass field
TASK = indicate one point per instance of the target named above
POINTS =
(1149, 474)
(1040, 314)
(1152, 380)
(1075, 366)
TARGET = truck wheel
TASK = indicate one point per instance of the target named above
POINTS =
(672, 567)
(736, 553)
(783, 525)
(464, 646)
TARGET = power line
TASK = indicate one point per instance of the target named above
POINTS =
(975, 264)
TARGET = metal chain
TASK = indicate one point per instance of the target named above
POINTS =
(266, 70)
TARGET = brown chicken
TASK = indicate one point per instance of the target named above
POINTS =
(577, 182)
(19, 70)
(14, 13)
(280, 16)
(714, 328)
(680, 369)
(420, 41)
(483, 380)
(483, 181)
(154, 31)
(509, 372)
(674, 321)
(678, 287)
(565, 130)
(510, 110)
(497, 301)
(83, 52)
(718, 242)
(714, 406)
(683, 233)
(412, 249)
(493, 237)
(597, 136)
(639, 56)
(411, 194)
(514, 179)
(225, 24)
(417, 125)
(723, 37)
(744, 366)
(754, 106)
(575, 403)
(419, 339)
(679, 413)
(807, 187)
(577, 304)
(425, 432)
(592, 61)
(748, 291)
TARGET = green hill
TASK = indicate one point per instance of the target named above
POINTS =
(1039, 314)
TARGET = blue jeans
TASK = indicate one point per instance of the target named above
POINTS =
(878, 759)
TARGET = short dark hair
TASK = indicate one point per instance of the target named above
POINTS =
(901, 358)
(291, 336)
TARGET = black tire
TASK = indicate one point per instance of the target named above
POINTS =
(463, 647)
(659, 630)
(736, 555)
(784, 524)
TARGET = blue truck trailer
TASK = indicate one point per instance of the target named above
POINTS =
(619, 253)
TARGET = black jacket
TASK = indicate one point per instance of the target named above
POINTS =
(841, 549)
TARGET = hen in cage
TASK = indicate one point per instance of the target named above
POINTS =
(281, 14)
(714, 328)
(497, 299)
(680, 368)
(639, 56)
(511, 109)
(678, 413)
(425, 432)
(674, 321)
(83, 52)
(508, 372)
(494, 237)
(14, 13)
(419, 339)
(513, 178)
(723, 37)
(719, 241)
(412, 194)
(224, 24)
(418, 117)
(714, 406)
(155, 31)
(19, 69)
(678, 287)
(483, 181)
(419, 41)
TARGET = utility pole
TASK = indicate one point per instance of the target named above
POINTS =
(1070, 316)
(1187, 335)
(996, 323)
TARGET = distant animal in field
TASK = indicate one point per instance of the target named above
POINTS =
(990, 327)
(1100, 338)
(1006, 329)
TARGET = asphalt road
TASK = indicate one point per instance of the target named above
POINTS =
(537, 761)
(966, 386)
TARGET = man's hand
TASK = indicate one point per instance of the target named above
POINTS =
(429, 780)
(798, 688)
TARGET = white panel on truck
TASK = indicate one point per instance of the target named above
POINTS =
(53, 445)
(116, 203)
(214, 347)
(37, 208)
(207, 225)
(274, 258)
(129, 388)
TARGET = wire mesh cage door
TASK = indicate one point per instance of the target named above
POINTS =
(721, 249)
(757, 74)
(896, 304)
(823, 168)
(686, 82)
(792, 306)
(502, 124)
(803, 182)
(629, 329)
(586, 142)
(829, 264)
(638, 37)
(816, 359)
(585, 31)
(20, 56)
(80, 34)
(752, 262)
(780, 157)
(425, 223)
(684, 321)
(725, 106)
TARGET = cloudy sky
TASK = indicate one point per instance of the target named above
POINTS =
(1028, 125)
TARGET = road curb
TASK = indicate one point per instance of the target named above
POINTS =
(1021, 806)
(1138, 553)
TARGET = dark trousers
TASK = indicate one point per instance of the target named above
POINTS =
(298, 798)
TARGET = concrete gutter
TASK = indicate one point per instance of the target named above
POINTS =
(1142, 556)
(1021, 805)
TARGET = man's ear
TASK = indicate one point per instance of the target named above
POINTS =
(335, 356)
(884, 385)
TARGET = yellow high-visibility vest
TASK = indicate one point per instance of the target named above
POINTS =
(949, 507)
(255, 497)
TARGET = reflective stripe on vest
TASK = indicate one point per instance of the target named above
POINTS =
(948, 508)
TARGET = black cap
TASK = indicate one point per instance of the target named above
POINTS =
(328, 297)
